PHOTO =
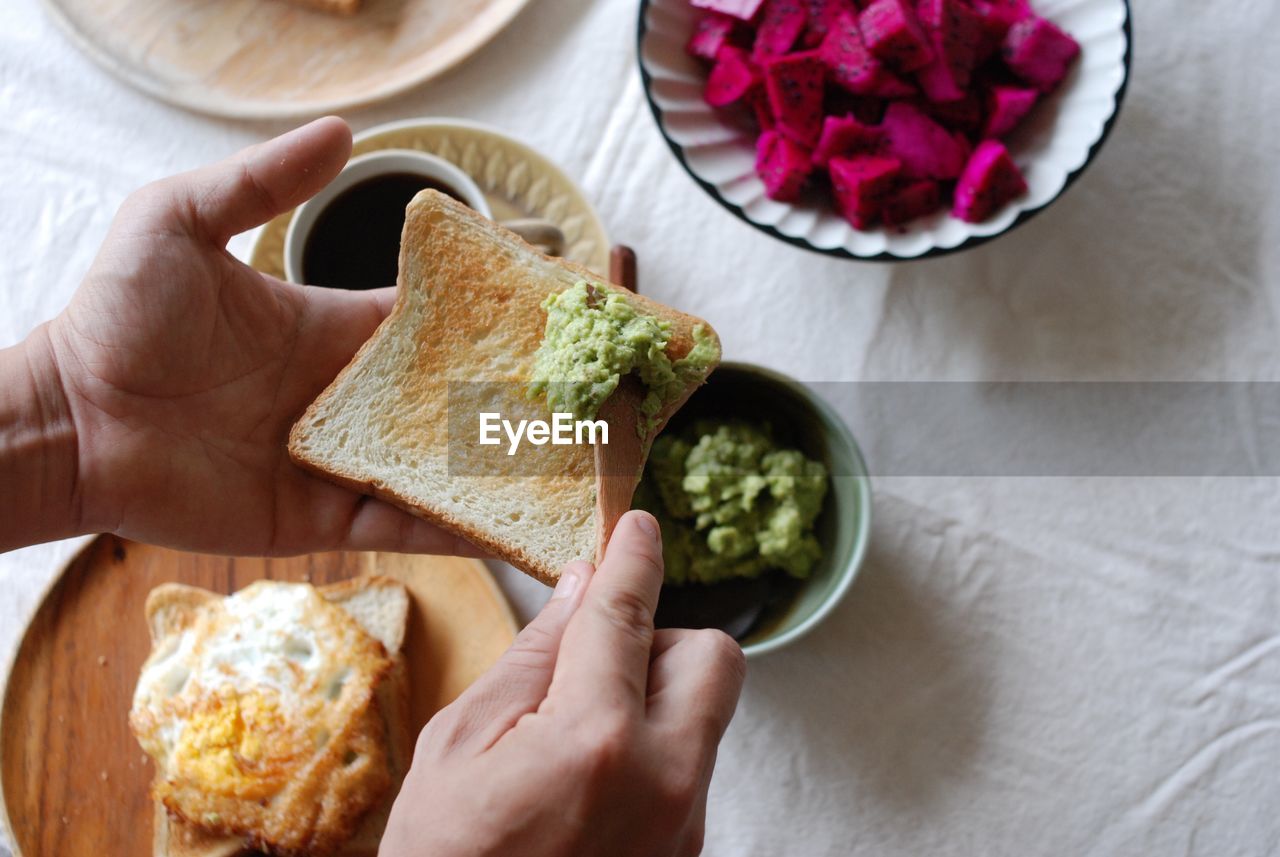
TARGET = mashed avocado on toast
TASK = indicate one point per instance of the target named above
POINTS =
(732, 503)
(471, 298)
(593, 337)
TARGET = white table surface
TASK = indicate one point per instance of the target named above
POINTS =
(1026, 665)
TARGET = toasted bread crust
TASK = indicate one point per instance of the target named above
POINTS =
(512, 553)
(469, 307)
(172, 608)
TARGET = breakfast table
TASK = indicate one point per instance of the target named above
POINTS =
(1041, 654)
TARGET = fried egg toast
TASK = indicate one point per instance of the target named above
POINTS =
(277, 717)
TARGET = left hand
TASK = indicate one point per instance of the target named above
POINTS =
(184, 369)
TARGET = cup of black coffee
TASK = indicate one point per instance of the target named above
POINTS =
(348, 235)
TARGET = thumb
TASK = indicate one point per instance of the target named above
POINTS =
(254, 185)
(518, 682)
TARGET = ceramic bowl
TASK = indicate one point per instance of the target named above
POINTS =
(1052, 147)
(799, 419)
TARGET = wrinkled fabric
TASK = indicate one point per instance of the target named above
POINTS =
(1084, 666)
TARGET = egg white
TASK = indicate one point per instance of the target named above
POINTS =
(278, 642)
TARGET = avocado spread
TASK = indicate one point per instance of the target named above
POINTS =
(593, 337)
(731, 503)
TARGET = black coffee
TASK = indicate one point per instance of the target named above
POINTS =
(355, 242)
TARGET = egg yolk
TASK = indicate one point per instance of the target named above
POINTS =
(237, 744)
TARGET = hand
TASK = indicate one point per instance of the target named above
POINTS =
(183, 369)
(593, 735)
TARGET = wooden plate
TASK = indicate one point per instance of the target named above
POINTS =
(74, 779)
(516, 179)
(258, 59)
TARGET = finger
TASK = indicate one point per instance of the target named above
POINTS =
(379, 526)
(695, 680)
(368, 307)
(336, 323)
(694, 684)
(517, 684)
(606, 646)
(382, 299)
(696, 831)
(251, 187)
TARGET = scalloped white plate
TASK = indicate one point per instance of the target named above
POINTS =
(1052, 146)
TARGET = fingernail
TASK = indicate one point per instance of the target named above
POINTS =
(567, 585)
(647, 524)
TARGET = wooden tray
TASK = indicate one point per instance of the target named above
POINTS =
(74, 779)
(258, 59)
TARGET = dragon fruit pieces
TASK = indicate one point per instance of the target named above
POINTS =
(965, 115)
(822, 14)
(794, 84)
(867, 109)
(758, 104)
(911, 201)
(1002, 13)
(712, 32)
(990, 180)
(885, 84)
(780, 26)
(925, 149)
(731, 78)
(843, 136)
(782, 165)
(891, 32)
(844, 52)
(860, 185)
(854, 67)
(955, 33)
(890, 109)
(743, 10)
(939, 82)
(1038, 52)
(954, 28)
(997, 17)
(1008, 106)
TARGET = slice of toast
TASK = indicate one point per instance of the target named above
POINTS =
(381, 607)
(401, 420)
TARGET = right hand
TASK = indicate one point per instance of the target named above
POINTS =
(593, 734)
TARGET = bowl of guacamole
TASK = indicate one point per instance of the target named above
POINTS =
(764, 504)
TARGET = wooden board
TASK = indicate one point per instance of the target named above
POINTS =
(74, 779)
(269, 59)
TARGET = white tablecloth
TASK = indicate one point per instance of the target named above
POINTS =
(1026, 665)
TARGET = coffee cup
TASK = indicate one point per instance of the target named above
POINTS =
(348, 234)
